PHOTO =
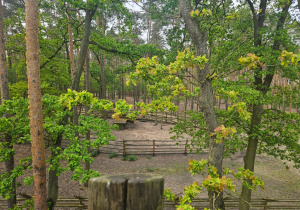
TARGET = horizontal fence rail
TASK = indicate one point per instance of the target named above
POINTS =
(78, 202)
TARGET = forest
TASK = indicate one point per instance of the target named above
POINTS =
(69, 66)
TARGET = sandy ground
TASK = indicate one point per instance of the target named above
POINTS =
(279, 182)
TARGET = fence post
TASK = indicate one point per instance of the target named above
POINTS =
(126, 192)
(153, 148)
(185, 148)
(124, 152)
(266, 205)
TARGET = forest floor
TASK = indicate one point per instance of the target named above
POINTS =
(279, 182)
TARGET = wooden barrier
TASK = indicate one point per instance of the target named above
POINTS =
(126, 192)
(200, 203)
(147, 147)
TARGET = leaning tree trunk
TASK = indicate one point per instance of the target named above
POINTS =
(83, 49)
(216, 150)
(35, 105)
(81, 58)
(9, 163)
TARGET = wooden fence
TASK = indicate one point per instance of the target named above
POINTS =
(146, 147)
(78, 202)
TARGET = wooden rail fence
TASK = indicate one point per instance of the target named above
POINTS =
(146, 147)
(78, 202)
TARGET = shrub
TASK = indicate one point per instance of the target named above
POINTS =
(124, 158)
(94, 153)
(132, 158)
(149, 169)
(112, 155)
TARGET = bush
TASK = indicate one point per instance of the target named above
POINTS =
(132, 158)
(94, 153)
(112, 155)
(150, 169)
(124, 158)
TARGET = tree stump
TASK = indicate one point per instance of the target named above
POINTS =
(126, 192)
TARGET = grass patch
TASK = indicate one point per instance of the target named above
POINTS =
(112, 155)
(132, 158)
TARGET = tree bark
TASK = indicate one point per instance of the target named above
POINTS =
(216, 150)
(35, 104)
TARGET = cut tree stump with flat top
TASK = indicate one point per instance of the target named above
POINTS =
(126, 192)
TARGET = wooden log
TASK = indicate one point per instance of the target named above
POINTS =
(107, 193)
(126, 192)
(145, 192)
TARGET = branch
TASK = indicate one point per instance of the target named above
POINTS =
(276, 45)
(53, 56)
(114, 51)
(251, 6)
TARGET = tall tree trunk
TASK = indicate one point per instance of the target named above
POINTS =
(249, 159)
(3, 64)
(72, 62)
(53, 178)
(102, 62)
(88, 89)
(35, 105)
(83, 49)
(149, 30)
(87, 75)
(216, 150)
(136, 87)
(103, 66)
(9, 162)
(103, 76)
(261, 85)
